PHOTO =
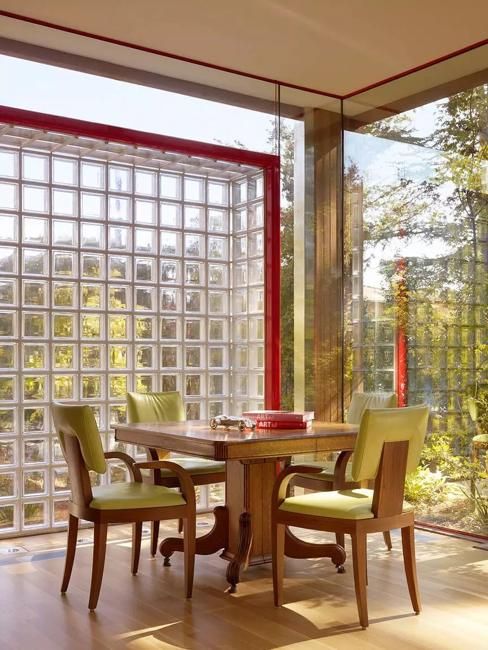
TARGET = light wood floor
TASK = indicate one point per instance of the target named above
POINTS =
(148, 612)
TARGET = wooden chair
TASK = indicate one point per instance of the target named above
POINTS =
(388, 446)
(117, 503)
(337, 475)
(168, 407)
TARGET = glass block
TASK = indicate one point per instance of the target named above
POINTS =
(63, 387)
(34, 419)
(34, 356)
(91, 356)
(34, 514)
(217, 248)
(119, 268)
(255, 244)
(63, 356)
(92, 206)
(118, 297)
(92, 235)
(170, 215)
(65, 203)
(241, 357)
(145, 356)
(194, 189)
(240, 247)
(145, 384)
(216, 357)
(144, 240)
(35, 167)
(35, 451)
(91, 387)
(118, 414)
(64, 264)
(8, 453)
(34, 482)
(170, 299)
(34, 199)
(240, 329)
(218, 193)
(65, 171)
(256, 215)
(119, 238)
(8, 228)
(217, 275)
(64, 326)
(256, 328)
(7, 388)
(170, 328)
(118, 386)
(117, 355)
(7, 324)
(217, 220)
(64, 233)
(194, 273)
(170, 186)
(60, 512)
(216, 385)
(193, 410)
(194, 217)
(256, 299)
(169, 271)
(35, 231)
(35, 262)
(194, 301)
(239, 300)
(146, 211)
(57, 452)
(256, 271)
(8, 517)
(144, 327)
(8, 260)
(146, 182)
(34, 325)
(170, 242)
(117, 473)
(169, 383)
(92, 296)
(193, 356)
(7, 485)
(193, 385)
(215, 409)
(119, 178)
(93, 175)
(119, 208)
(34, 293)
(9, 196)
(34, 388)
(145, 269)
(91, 326)
(7, 357)
(144, 298)
(217, 330)
(239, 191)
(7, 420)
(170, 356)
(64, 294)
(240, 274)
(194, 329)
(194, 245)
(217, 302)
(9, 163)
(118, 327)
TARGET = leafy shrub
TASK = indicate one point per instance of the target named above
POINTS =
(424, 487)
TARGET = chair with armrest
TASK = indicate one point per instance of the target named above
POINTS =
(168, 407)
(133, 502)
(388, 447)
(336, 475)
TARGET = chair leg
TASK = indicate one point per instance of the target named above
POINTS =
(100, 543)
(70, 551)
(278, 558)
(340, 539)
(408, 545)
(154, 537)
(359, 566)
(180, 525)
(136, 546)
(189, 544)
(387, 538)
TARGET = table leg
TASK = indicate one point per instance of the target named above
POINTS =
(241, 558)
(213, 541)
(297, 548)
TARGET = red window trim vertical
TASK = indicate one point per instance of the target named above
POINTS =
(270, 164)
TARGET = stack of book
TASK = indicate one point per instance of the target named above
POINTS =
(280, 419)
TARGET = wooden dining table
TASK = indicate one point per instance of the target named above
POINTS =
(242, 527)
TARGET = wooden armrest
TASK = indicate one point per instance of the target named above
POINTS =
(186, 484)
(129, 462)
(284, 478)
(340, 469)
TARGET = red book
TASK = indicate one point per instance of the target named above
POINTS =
(280, 416)
(283, 424)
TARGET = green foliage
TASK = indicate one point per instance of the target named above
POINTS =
(479, 502)
(424, 487)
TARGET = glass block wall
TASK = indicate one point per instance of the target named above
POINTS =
(120, 269)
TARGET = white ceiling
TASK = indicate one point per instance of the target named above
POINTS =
(332, 46)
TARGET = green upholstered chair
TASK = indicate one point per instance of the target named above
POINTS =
(133, 502)
(336, 475)
(168, 407)
(388, 447)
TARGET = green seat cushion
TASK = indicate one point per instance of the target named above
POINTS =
(121, 496)
(481, 438)
(327, 473)
(341, 504)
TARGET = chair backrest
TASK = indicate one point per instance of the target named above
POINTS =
(380, 426)
(362, 401)
(82, 448)
(155, 407)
